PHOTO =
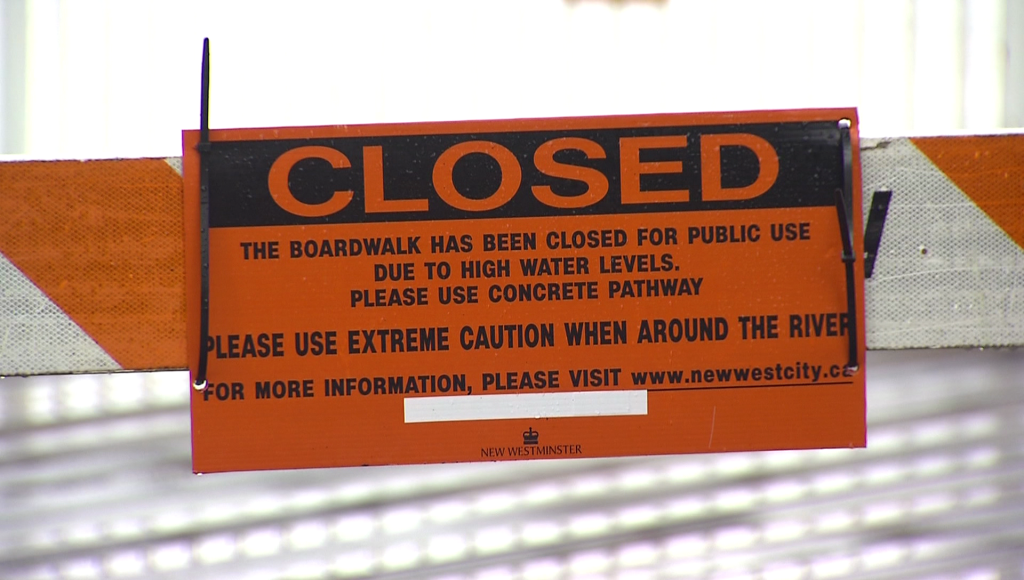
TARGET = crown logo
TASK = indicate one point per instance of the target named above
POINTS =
(530, 437)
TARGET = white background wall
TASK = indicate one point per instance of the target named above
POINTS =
(121, 77)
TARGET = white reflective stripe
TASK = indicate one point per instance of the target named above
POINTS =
(37, 337)
(525, 406)
(946, 274)
(176, 163)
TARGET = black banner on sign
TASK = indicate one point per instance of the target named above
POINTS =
(523, 174)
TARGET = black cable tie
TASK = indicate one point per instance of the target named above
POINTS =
(844, 209)
(873, 230)
(203, 147)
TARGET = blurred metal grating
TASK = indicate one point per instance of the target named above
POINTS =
(95, 482)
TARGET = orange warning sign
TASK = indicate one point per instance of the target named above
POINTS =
(556, 288)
